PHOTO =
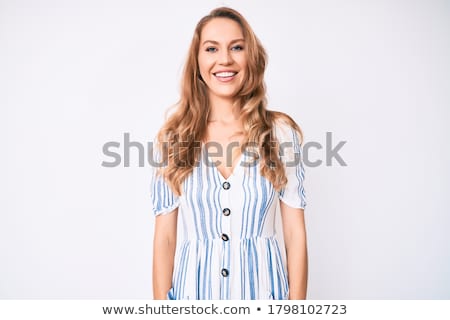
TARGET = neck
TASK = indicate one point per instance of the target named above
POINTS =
(223, 110)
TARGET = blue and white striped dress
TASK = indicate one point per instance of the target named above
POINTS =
(229, 248)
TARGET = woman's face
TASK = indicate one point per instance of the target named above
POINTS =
(222, 57)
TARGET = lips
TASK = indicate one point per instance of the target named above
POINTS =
(225, 76)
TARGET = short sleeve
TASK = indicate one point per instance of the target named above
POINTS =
(163, 199)
(293, 194)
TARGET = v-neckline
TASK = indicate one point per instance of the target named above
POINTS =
(234, 168)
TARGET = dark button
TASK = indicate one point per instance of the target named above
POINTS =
(226, 212)
(225, 272)
(225, 237)
(226, 185)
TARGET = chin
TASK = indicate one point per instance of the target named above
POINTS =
(227, 94)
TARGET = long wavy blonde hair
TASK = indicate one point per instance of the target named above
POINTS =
(179, 138)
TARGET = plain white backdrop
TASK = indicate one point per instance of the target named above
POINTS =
(75, 75)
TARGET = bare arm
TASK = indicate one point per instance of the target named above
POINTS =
(296, 250)
(164, 244)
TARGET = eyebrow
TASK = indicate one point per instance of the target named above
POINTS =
(215, 42)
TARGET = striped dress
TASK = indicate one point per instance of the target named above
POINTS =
(229, 248)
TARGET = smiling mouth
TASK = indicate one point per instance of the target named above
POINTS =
(225, 75)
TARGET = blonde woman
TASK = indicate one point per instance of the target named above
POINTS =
(229, 164)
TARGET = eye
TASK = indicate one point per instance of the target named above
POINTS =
(237, 48)
(211, 49)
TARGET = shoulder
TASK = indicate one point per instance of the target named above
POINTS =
(286, 129)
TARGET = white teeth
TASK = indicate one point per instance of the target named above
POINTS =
(225, 74)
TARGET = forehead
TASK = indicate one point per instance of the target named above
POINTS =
(221, 30)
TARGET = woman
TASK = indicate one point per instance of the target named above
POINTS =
(228, 162)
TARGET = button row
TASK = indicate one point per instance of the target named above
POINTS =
(226, 212)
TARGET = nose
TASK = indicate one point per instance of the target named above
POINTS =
(225, 57)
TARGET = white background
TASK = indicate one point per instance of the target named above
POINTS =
(77, 74)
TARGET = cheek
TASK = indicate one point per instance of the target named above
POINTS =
(242, 62)
(204, 64)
